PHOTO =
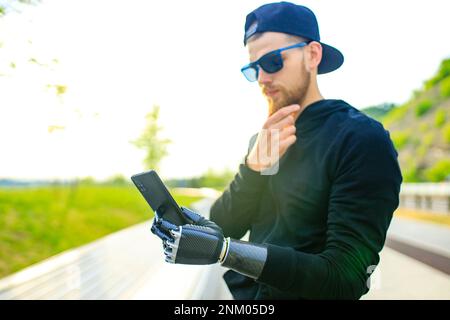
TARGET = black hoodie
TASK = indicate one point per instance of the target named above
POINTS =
(324, 215)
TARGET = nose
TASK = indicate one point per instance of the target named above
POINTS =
(264, 78)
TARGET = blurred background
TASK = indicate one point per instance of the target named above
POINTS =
(93, 92)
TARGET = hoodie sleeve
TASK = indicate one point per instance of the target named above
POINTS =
(234, 210)
(363, 196)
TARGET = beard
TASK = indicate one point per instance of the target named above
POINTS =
(286, 97)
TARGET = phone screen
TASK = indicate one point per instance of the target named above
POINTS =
(158, 197)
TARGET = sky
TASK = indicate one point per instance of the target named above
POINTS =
(117, 59)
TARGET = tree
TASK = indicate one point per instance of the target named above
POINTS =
(117, 180)
(150, 141)
(15, 6)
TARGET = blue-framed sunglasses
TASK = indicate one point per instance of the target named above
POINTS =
(271, 62)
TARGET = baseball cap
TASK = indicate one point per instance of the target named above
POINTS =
(296, 20)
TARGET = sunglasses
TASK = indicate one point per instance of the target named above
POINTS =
(271, 62)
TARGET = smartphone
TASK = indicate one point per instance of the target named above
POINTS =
(158, 197)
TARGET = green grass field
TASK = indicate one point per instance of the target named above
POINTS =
(36, 223)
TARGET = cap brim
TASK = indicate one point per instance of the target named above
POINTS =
(332, 59)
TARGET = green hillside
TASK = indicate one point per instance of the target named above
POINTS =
(420, 129)
(379, 111)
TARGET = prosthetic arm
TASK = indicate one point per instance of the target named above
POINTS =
(203, 243)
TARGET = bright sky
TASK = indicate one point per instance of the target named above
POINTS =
(118, 58)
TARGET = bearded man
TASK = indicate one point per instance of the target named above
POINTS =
(318, 186)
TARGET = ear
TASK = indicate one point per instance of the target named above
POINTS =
(314, 54)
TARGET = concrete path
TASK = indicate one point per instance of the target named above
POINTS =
(427, 235)
(401, 277)
(414, 263)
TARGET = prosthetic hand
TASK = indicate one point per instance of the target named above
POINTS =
(198, 243)
(203, 243)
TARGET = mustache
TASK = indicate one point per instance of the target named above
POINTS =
(266, 89)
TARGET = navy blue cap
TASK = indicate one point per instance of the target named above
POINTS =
(296, 20)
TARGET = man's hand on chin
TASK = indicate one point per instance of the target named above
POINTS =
(274, 139)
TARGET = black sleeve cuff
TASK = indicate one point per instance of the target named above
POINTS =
(251, 178)
(280, 261)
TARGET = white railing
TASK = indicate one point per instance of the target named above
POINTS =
(433, 197)
(426, 189)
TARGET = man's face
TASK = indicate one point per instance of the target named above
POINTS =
(290, 84)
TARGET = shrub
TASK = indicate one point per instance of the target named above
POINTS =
(444, 87)
(424, 145)
(440, 171)
(423, 127)
(444, 72)
(211, 179)
(439, 118)
(117, 180)
(423, 107)
(400, 139)
(446, 133)
(377, 112)
(416, 94)
(410, 174)
(395, 114)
